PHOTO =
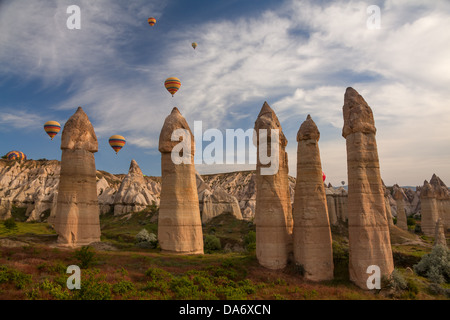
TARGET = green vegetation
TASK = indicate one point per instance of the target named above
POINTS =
(10, 224)
(35, 228)
(435, 266)
(86, 256)
(229, 270)
(211, 243)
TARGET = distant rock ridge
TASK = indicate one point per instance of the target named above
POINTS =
(33, 184)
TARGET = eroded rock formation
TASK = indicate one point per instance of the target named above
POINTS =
(273, 212)
(215, 202)
(312, 234)
(399, 197)
(179, 222)
(429, 209)
(133, 194)
(77, 214)
(369, 239)
(439, 234)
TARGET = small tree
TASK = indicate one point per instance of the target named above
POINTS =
(211, 243)
(10, 224)
(86, 256)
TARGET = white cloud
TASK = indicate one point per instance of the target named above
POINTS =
(19, 119)
(299, 57)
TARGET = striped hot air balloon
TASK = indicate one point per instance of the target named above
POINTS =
(52, 128)
(16, 155)
(194, 45)
(117, 142)
(151, 21)
(172, 85)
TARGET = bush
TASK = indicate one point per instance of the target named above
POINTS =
(211, 243)
(94, 287)
(411, 221)
(250, 241)
(436, 265)
(10, 224)
(144, 239)
(397, 281)
(86, 256)
(18, 278)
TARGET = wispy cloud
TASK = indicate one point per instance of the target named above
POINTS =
(299, 57)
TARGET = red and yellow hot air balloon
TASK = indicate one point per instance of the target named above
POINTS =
(194, 45)
(117, 142)
(151, 21)
(52, 128)
(323, 176)
(172, 85)
(16, 155)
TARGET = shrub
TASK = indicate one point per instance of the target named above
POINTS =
(18, 278)
(436, 265)
(211, 243)
(397, 281)
(144, 239)
(250, 241)
(157, 274)
(418, 228)
(86, 256)
(10, 224)
(123, 287)
(411, 221)
(94, 287)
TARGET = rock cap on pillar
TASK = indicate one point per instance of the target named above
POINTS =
(358, 116)
(78, 133)
(173, 122)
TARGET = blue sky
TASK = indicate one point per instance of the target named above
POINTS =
(299, 56)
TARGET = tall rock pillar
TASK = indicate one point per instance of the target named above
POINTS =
(179, 222)
(369, 239)
(77, 220)
(399, 197)
(429, 209)
(312, 234)
(273, 212)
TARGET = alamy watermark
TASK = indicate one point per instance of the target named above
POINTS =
(74, 20)
(374, 280)
(374, 20)
(239, 147)
(74, 281)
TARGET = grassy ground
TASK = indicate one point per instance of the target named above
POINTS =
(37, 270)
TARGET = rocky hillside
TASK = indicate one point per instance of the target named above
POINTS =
(32, 186)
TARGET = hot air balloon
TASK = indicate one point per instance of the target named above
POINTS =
(323, 176)
(16, 155)
(117, 142)
(172, 85)
(343, 182)
(151, 21)
(194, 45)
(52, 128)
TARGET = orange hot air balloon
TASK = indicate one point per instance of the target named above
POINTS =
(172, 85)
(151, 21)
(117, 142)
(194, 45)
(52, 128)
